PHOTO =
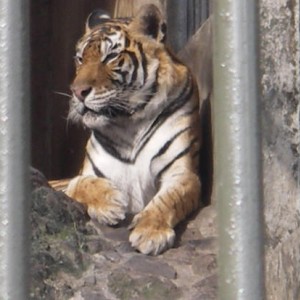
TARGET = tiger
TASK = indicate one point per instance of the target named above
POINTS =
(140, 103)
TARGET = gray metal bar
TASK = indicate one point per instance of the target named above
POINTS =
(14, 150)
(238, 179)
(184, 17)
(177, 15)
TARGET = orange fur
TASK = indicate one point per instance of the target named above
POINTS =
(102, 199)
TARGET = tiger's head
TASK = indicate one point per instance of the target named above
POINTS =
(117, 64)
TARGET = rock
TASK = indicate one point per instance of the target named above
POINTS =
(206, 289)
(93, 245)
(115, 233)
(37, 179)
(75, 258)
(149, 265)
(112, 256)
(90, 295)
(126, 287)
(90, 280)
(206, 245)
(206, 262)
(55, 242)
(206, 221)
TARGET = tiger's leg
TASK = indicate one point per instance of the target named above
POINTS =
(103, 200)
(153, 227)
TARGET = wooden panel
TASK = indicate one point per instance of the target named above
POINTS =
(55, 27)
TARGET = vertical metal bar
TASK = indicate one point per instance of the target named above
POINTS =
(177, 23)
(191, 16)
(14, 152)
(184, 17)
(238, 179)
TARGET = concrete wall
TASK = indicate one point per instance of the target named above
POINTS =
(281, 149)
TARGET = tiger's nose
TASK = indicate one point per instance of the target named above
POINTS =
(81, 92)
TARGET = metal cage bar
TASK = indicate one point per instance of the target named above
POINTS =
(184, 17)
(14, 148)
(238, 178)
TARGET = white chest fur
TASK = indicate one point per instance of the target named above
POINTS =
(134, 180)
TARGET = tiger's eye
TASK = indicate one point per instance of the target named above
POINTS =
(110, 57)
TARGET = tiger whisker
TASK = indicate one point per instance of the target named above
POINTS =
(120, 105)
(62, 94)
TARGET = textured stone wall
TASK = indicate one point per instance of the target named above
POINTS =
(280, 115)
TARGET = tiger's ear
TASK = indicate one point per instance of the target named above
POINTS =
(149, 21)
(96, 18)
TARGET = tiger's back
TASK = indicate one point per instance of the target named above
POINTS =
(141, 105)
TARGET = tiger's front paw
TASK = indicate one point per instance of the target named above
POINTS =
(103, 200)
(110, 213)
(151, 234)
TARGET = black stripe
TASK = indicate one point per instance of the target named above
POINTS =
(107, 144)
(177, 203)
(158, 207)
(163, 202)
(144, 62)
(176, 104)
(196, 154)
(109, 57)
(183, 207)
(152, 91)
(178, 156)
(179, 200)
(122, 73)
(153, 88)
(108, 40)
(115, 81)
(112, 111)
(127, 42)
(166, 146)
(135, 65)
(121, 63)
(122, 140)
(97, 172)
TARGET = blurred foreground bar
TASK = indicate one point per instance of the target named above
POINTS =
(14, 149)
(238, 178)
